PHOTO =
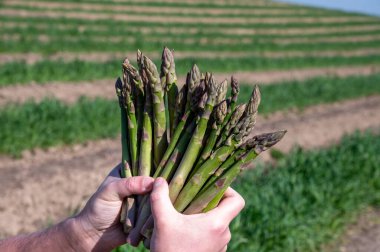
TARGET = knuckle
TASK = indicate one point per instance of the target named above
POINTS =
(155, 196)
(242, 202)
(131, 184)
(227, 236)
(217, 227)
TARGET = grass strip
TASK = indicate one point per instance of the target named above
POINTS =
(270, 5)
(146, 23)
(309, 198)
(32, 43)
(78, 8)
(27, 29)
(51, 122)
(46, 71)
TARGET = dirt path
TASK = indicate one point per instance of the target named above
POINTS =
(48, 185)
(157, 9)
(70, 92)
(31, 58)
(182, 20)
(361, 236)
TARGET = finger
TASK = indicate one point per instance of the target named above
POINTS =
(121, 188)
(229, 207)
(223, 249)
(162, 207)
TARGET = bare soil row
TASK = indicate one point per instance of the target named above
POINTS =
(31, 58)
(194, 30)
(71, 92)
(181, 20)
(156, 9)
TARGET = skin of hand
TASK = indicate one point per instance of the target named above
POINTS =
(175, 232)
(100, 218)
(95, 228)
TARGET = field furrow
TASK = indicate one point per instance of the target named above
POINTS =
(83, 27)
(71, 92)
(32, 58)
(129, 8)
(54, 14)
(49, 185)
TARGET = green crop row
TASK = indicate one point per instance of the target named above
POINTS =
(306, 200)
(38, 27)
(236, 5)
(51, 122)
(46, 71)
(32, 43)
(310, 13)
(147, 23)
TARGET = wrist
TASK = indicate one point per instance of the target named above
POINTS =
(78, 235)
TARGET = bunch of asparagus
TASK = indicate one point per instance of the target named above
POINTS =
(195, 137)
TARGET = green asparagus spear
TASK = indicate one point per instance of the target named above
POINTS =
(145, 160)
(180, 106)
(138, 97)
(243, 128)
(159, 116)
(195, 143)
(196, 90)
(128, 213)
(209, 198)
(220, 113)
(169, 79)
(234, 96)
(167, 172)
(131, 118)
(233, 123)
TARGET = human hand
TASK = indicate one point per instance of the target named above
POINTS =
(174, 231)
(98, 222)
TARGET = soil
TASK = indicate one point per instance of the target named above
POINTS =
(46, 186)
(361, 236)
(70, 92)
(31, 58)
(187, 20)
(162, 10)
(231, 31)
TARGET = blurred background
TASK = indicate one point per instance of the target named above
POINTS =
(318, 66)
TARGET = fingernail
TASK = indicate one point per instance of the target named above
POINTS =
(158, 182)
(147, 184)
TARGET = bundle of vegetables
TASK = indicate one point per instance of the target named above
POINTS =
(195, 138)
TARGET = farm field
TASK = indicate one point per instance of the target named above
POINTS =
(318, 70)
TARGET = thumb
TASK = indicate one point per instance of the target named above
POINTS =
(162, 207)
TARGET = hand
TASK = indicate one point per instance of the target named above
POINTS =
(174, 231)
(99, 221)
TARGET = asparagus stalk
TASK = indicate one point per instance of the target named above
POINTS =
(138, 95)
(159, 116)
(180, 105)
(195, 143)
(131, 118)
(235, 89)
(166, 172)
(196, 91)
(243, 128)
(220, 113)
(145, 160)
(169, 79)
(209, 198)
(233, 124)
(128, 213)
